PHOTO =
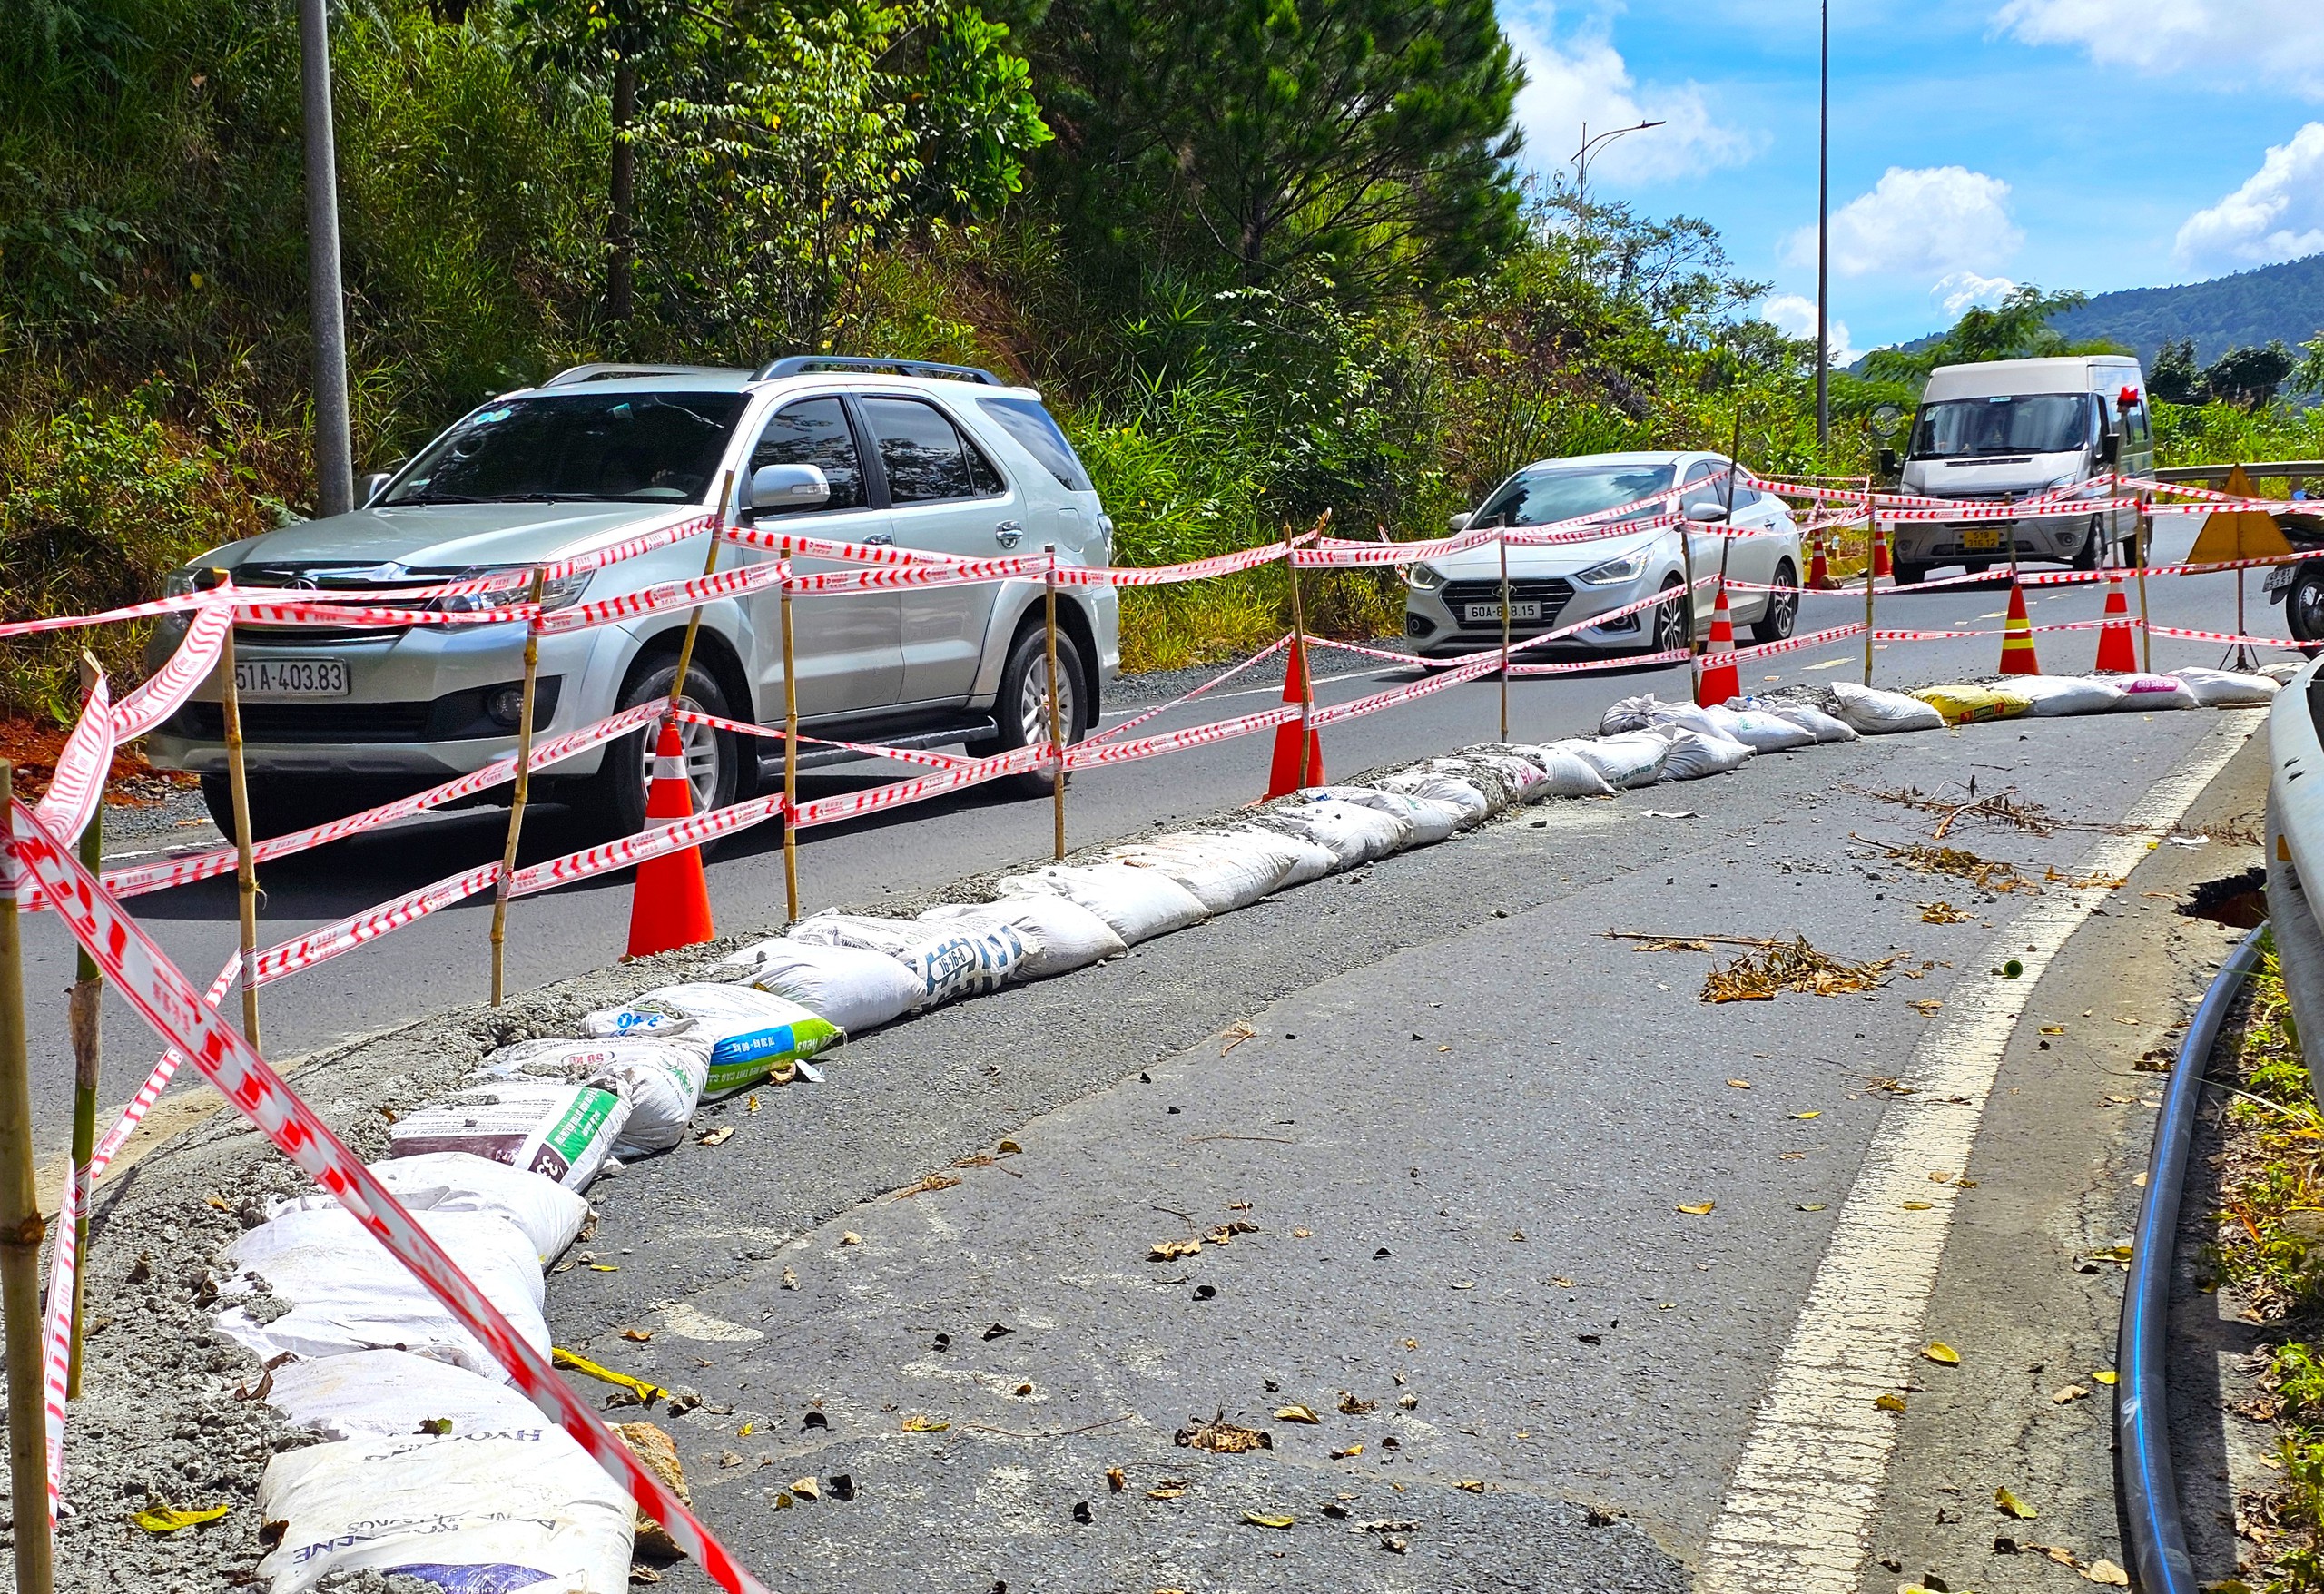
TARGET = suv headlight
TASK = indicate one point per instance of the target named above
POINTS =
(178, 583)
(1424, 577)
(513, 582)
(1627, 567)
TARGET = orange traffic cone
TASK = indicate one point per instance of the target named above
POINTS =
(1715, 683)
(669, 906)
(2017, 637)
(1283, 775)
(2115, 651)
(1880, 565)
(1820, 569)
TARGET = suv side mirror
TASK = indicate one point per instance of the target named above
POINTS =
(776, 490)
(1459, 522)
(373, 486)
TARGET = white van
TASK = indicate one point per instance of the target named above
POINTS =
(2010, 429)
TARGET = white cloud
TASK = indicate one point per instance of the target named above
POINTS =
(1794, 316)
(1958, 290)
(2277, 215)
(2276, 40)
(1915, 222)
(1583, 79)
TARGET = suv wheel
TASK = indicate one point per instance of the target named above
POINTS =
(1021, 709)
(280, 804)
(1783, 607)
(616, 798)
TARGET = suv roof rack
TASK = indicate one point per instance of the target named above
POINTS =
(615, 371)
(792, 365)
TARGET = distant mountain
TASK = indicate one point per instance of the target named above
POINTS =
(2284, 301)
(2251, 307)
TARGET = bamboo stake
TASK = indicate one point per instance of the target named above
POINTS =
(2146, 637)
(789, 764)
(1299, 646)
(1057, 735)
(245, 868)
(1871, 530)
(21, 1232)
(1502, 542)
(82, 1017)
(524, 788)
(694, 617)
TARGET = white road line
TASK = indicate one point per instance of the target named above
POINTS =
(1798, 1515)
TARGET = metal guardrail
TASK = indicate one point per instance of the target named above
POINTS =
(2146, 1483)
(2257, 470)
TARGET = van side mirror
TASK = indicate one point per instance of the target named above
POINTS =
(2110, 447)
(777, 489)
(1888, 462)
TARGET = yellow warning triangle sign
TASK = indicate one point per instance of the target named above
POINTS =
(2238, 533)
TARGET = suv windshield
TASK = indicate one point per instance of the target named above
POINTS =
(1537, 497)
(623, 448)
(2039, 423)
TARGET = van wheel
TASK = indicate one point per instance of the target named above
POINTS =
(615, 798)
(1783, 607)
(1909, 574)
(2085, 558)
(1021, 709)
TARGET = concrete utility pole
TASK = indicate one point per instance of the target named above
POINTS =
(326, 305)
(1823, 232)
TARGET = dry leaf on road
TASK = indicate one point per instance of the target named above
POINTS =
(1943, 1355)
(2009, 1505)
(1698, 1208)
(1295, 1414)
(1220, 1435)
(718, 1137)
(1257, 1520)
(1890, 1402)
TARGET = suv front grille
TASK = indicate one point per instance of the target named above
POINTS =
(1551, 591)
(453, 717)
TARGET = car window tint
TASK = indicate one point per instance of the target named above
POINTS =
(925, 458)
(815, 432)
(1031, 423)
(642, 447)
(1699, 494)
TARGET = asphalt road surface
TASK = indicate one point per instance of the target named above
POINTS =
(443, 959)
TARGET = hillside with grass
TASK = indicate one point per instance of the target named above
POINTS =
(2279, 303)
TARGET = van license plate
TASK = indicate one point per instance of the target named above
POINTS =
(1518, 610)
(1984, 538)
(291, 678)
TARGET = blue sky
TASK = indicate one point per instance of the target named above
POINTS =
(2073, 143)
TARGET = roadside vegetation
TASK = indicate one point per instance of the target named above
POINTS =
(2270, 1258)
(1245, 311)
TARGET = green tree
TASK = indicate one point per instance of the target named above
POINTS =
(2249, 377)
(971, 106)
(614, 46)
(1362, 141)
(2172, 378)
(2018, 327)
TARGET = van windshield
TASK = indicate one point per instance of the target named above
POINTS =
(1537, 497)
(623, 448)
(2038, 423)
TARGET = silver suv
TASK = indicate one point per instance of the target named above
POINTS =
(940, 457)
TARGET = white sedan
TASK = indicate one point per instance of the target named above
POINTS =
(1453, 603)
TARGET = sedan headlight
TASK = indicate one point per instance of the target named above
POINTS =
(1424, 577)
(511, 584)
(1627, 567)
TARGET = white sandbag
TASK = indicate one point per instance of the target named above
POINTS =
(1430, 820)
(1354, 835)
(854, 988)
(1069, 935)
(1222, 872)
(1875, 712)
(1565, 773)
(660, 1077)
(1694, 755)
(1505, 762)
(1434, 786)
(754, 1034)
(965, 960)
(560, 1131)
(345, 1293)
(1309, 860)
(2144, 692)
(2053, 696)
(547, 1213)
(388, 1394)
(2227, 688)
(484, 1514)
(1629, 713)
(831, 928)
(1806, 715)
(1634, 758)
(1137, 904)
(1761, 732)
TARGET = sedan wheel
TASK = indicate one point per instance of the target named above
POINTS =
(1670, 619)
(1783, 607)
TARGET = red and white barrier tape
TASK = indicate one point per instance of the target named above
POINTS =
(167, 606)
(664, 596)
(152, 984)
(1084, 756)
(1767, 650)
(1587, 666)
(1268, 652)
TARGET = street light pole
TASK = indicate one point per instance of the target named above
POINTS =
(326, 305)
(1581, 170)
(1822, 234)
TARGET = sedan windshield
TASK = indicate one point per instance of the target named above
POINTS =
(1552, 493)
(2039, 423)
(622, 448)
